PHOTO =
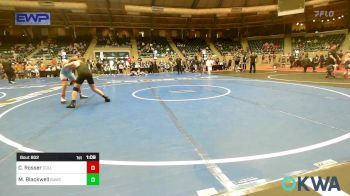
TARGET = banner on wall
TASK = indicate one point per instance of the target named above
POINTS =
(33, 18)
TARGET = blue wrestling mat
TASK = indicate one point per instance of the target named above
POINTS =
(166, 134)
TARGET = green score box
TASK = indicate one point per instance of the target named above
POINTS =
(93, 179)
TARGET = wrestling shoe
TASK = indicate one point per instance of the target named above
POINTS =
(83, 97)
(107, 99)
(71, 105)
(63, 100)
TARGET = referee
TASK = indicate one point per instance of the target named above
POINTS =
(252, 57)
(9, 71)
(178, 65)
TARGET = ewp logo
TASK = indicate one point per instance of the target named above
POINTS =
(316, 183)
(33, 18)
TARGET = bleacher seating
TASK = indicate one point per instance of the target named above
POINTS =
(267, 45)
(226, 46)
(191, 46)
(54, 47)
(5, 49)
(316, 43)
(116, 42)
(16, 46)
(145, 47)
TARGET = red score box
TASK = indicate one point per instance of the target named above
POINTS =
(93, 167)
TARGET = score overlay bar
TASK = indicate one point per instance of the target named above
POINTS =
(57, 169)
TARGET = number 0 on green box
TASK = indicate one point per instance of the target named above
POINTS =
(93, 179)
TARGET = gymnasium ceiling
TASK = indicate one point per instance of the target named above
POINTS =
(112, 13)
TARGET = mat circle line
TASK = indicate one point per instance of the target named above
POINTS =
(228, 91)
(272, 77)
(2, 95)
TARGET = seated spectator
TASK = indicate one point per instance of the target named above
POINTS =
(316, 43)
(154, 47)
(227, 46)
(266, 45)
(190, 47)
(113, 41)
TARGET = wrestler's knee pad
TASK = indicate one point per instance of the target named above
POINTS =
(77, 89)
